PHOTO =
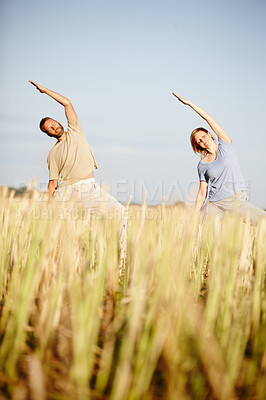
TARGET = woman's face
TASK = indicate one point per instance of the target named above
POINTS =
(203, 139)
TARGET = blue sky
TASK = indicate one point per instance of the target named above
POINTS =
(118, 62)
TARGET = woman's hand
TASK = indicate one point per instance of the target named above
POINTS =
(38, 87)
(186, 102)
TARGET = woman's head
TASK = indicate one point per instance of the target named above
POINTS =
(200, 140)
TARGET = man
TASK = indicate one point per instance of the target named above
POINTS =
(72, 160)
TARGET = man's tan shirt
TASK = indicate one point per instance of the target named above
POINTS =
(71, 158)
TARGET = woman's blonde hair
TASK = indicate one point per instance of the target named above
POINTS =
(195, 146)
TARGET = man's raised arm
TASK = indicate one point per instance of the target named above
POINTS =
(69, 110)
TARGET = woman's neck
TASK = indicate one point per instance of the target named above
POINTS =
(212, 149)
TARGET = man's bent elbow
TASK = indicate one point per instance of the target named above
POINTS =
(52, 186)
(53, 183)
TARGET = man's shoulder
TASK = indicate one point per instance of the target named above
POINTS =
(53, 150)
(74, 126)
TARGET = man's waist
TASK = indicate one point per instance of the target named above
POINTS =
(83, 181)
(91, 175)
(67, 181)
(87, 178)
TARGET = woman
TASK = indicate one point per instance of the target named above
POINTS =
(220, 170)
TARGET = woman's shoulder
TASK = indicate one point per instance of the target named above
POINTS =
(225, 148)
(224, 143)
(202, 165)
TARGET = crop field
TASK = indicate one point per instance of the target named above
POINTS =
(178, 312)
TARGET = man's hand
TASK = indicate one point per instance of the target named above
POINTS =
(38, 87)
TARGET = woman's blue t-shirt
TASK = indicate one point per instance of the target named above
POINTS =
(223, 174)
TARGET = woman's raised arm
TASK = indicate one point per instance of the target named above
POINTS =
(220, 132)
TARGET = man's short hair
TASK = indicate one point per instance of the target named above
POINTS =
(42, 122)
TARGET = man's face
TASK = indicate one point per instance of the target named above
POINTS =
(53, 128)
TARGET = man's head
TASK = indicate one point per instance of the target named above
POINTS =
(51, 127)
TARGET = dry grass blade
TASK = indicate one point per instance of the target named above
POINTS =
(180, 314)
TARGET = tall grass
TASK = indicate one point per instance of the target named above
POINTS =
(185, 320)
